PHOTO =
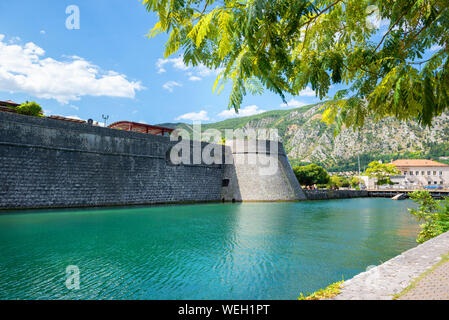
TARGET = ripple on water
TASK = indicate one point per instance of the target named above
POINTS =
(241, 251)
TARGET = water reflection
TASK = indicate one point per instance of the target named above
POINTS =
(213, 251)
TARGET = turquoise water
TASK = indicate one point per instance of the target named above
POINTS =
(210, 251)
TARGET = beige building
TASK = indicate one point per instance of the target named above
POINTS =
(421, 173)
(416, 174)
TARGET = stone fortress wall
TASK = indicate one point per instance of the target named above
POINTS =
(46, 163)
(260, 172)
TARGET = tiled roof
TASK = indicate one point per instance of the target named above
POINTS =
(67, 119)
(418, 163)
(9, 103)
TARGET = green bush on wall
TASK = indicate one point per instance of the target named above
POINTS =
(30, 109)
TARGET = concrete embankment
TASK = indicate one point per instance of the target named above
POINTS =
(335, 194)
(392, 277)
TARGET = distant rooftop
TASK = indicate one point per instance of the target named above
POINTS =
(418, 163)
(9, 103)
(141, 127)
(67, 119)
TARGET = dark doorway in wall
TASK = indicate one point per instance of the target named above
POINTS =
(225, 183)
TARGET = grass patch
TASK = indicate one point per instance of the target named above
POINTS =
(330, 292)
(412, 286)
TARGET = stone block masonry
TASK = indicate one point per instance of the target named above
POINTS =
(47, 163)
(260, 174)
(51, 163)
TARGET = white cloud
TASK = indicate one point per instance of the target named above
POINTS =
(170, 85)
(135, 111)
(194, 73)
(74, 107)
(23, 68)
(14, 40)
(194, 116)
(243, 112)
(177, 63)
(42, 32)
(307, 92)
(195, 78)
(293, 104)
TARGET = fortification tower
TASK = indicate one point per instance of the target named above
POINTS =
(259, 170)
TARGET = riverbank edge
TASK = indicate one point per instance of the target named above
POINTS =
(389, 279)
(335, 194)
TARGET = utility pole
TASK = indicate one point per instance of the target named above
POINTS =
(358, 158)
(105, 118)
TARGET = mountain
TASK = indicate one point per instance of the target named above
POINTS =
(307, 139)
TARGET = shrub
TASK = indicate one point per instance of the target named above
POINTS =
(311, 174)
(434, 214)
(335, 182)
(30, 109)
(327, 293)
(355, 182)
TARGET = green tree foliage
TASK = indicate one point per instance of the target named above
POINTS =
(286, 45)
(356, 182)
(30, 109)
(311, 174)
(345, 182)
(433, 213)
(382, 172)
(335, 182)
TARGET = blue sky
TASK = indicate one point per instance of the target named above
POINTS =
(110, 65)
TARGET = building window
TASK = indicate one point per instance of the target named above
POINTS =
(225, 183)
(405, 173)
(429, 182)
(435, 182)
(423, 173)
(434, 173)
(441, 173)
(428, 173)
(417, 173)
(411, 173)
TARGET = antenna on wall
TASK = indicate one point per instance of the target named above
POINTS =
(105, 118)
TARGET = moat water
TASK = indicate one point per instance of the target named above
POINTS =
(209, 251)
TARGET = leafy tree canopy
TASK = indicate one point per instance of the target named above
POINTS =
(335, 182)
(382, 172)
(356, 182)
(286, 45)
(311, 174)
(30, 109)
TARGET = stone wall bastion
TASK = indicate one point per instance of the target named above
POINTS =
(47, 163)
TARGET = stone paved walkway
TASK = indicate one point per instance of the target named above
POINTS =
(434, 286)
(391, 278)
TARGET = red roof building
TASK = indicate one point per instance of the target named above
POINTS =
(67, 119)
(142, 128)
(8, 106)
(417, 163)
